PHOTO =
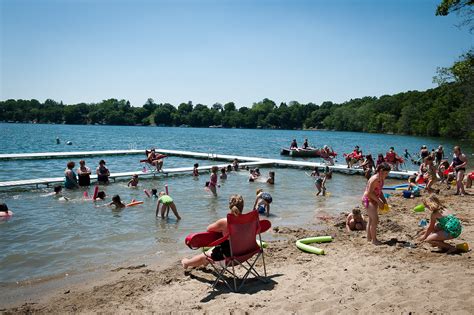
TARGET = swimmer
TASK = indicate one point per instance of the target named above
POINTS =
(58, 193)
(271, 178)
(235, 165)
(262, 202)
(168, 203)
(101, 195)
(229, 168)
(355, 221)
(195, 170)
(4, 212)
(257, 172)
(223, 173)
(154, 193)
(252, 176)
(134, 181)
(117, 202)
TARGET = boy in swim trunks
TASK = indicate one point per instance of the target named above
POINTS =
(134, 181)
(355, 221)
(262, 202)
(168, 203)
(443, 225)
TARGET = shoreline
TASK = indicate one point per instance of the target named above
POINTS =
(353, 276)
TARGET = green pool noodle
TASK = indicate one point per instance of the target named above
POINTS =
(419, 208)
(303, 244)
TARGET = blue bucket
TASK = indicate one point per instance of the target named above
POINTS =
(406, 193)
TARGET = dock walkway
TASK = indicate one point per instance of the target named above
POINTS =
(249, 162)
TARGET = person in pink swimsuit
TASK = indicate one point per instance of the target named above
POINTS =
(213, 180)
(373, 199)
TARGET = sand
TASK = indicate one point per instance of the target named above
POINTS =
(353, 277)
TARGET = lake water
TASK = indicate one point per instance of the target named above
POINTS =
(48, 238)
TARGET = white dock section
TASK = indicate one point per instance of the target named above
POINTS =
(124, 175)
(251, 161)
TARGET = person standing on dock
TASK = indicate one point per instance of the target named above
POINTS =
(84, 174)
(103, 173)
(70, 180)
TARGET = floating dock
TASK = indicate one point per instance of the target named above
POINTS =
(245, 161)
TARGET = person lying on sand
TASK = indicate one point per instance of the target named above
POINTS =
(355, 221)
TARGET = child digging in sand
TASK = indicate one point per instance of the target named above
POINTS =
(373, 199)
(355, 221)
(443, 225)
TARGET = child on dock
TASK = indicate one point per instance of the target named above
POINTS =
(443, 225)
(134, 181)
(355, 221)
(368, 166)
(117, 202)
(168, 203)
(262, 202)
(195, 170)
(373, 199)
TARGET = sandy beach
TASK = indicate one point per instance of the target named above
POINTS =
(354, 276)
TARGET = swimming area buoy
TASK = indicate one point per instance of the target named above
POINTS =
(96, 191)
(147, 193)
(303, 244)
(68, 143)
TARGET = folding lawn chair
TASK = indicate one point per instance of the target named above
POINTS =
(243, 230)
(149, 164)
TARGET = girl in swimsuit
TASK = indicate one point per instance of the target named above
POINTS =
(168, 203)
(213, 180)
(443, 225)
(373, 199)
(429, 174)
(459, 165)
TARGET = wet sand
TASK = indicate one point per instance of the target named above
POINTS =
(354, 276)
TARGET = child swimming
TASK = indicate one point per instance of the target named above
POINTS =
(373, 199)
(116, 202)
(4, 212)
(271, 178)
(154, 193)
(262, 202)
(168, 203)
(101, 195)
(134, 181)
(443, 225)
(223, 173)
(355, 221)
(195, 170)
(252, 175)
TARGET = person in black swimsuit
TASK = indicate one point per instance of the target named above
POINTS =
(459, 165)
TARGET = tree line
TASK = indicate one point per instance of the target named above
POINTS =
(443, 111)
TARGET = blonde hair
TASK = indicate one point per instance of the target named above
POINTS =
(433, 203)
(259, 191)
(236, 204)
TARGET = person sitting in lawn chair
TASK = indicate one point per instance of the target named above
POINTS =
(153, 159)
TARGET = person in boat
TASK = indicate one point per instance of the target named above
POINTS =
(293, 145)
(354, 157)
(84, 174)
(154, 159)
(392, 158)
(306, 144)
(70, 178)
(327, 154)
(459, 165)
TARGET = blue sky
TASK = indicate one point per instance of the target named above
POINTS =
(220, 51)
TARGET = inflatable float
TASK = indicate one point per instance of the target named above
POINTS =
(134, 203)
(303, 244)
